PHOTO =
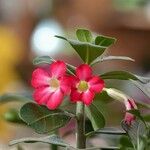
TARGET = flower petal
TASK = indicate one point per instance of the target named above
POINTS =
(87, 97)
(74, 81)
(96, 84)
(58, 69)
(39, 78)
(130, 104)
(41, 95)
(84, 72)
(75, 95)
(65, 84)
(55, 100)
(129, 118)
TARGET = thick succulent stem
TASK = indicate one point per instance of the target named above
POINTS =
(80, 126)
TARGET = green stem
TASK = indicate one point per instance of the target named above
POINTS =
(53, 147)
(87, 56)
(80, 126)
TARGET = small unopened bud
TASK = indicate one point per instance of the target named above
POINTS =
(129, 104)
(116, 94)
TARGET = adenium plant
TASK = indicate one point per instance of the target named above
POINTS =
(61, 85)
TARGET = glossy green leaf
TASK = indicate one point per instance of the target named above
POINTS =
(95, 116)
(84, 35)
(87, 51)
(104, 40)
(48, 60)
(14, 97)
(42, 119)
(124, 75)
(52, 139)
(106, 58)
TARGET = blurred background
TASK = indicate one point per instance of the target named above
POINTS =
(27, 28)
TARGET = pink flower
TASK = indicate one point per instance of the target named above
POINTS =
(84, 85)
(129, 104)
(50, 87)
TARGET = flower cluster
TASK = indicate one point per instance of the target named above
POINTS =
(52, 85)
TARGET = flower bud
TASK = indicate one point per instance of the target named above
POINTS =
(129, 103)
(116, 94)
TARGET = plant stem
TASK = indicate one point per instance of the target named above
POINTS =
(80, 126)
(53, 147)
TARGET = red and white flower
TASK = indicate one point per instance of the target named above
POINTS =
(85, 85)
(50, 86)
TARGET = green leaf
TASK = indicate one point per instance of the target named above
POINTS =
(123, 75)
(87, 51)
(48, 60)
(52, 139)
(136, 130)
(111, 131)
(12, 115)
(14, 97)
(144, 88)
(102, 98)
(43, 120)
(100, 101)
(106, 58)
(125, 143)
(95, 116)
(84, 35)
(104, 40)
(43, 60)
